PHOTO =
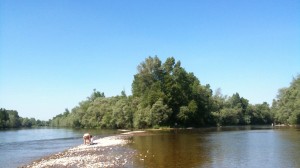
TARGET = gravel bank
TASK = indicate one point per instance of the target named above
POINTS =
(105, 152)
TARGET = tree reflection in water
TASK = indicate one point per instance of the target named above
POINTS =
(250, 146)
(170, 149)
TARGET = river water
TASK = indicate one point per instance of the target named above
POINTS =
(22, 146)
(251, 146)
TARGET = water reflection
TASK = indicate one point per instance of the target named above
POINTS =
(169, 150)
(289, 147)
(255, 148)
(219, 147)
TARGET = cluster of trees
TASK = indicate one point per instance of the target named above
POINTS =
(165, 94)
(236, 110)
(98, 111)
(11, 119)
(287, 105)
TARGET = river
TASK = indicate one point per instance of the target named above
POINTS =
(249, 146)
(21, 146)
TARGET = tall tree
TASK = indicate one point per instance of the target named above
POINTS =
(3, 118)
(14, 119)
(173, 87)
(287, 105)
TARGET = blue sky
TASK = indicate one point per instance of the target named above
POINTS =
(53, 53)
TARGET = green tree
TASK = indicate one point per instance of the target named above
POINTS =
(3, 118)
(171, 85)
(261, 114)
(14, 119)
(26, 122)
(234, 110)
(142, 117)
(287, 105)
(159, 113)
(95, 95)
(165, 94)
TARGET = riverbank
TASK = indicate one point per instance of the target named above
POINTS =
(105, 152)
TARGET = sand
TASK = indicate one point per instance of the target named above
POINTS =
(105, 152)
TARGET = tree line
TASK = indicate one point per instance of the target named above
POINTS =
(11, 119)
(166, 95)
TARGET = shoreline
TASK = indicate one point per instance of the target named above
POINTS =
(104, 152)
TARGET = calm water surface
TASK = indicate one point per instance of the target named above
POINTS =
(209, 147)
(220, 147)
(21, 146)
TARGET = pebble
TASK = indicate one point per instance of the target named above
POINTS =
(89, 155)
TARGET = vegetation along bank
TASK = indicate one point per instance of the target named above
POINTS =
(166, 95)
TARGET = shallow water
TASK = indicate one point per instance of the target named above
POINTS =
(219, 147)
(21, 146)
(250, 146)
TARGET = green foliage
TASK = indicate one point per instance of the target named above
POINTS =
(14, 119)
(3, 118)
(176, 89)
(236, 110)
(11, 119)
(261, 114)
(142, 117)
(159, 113)
(26, 122)
(287, 105)
(165, 94)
